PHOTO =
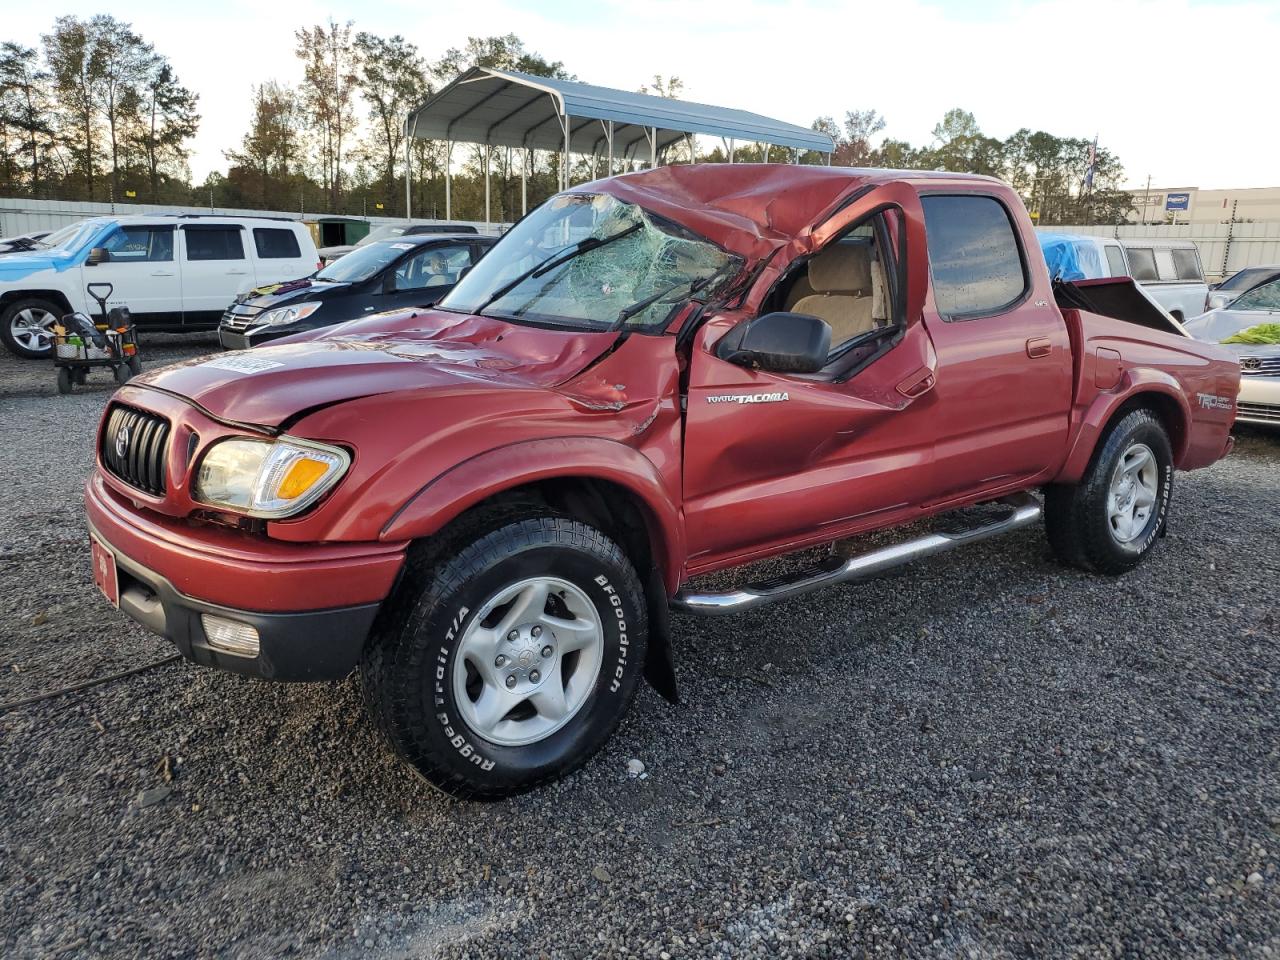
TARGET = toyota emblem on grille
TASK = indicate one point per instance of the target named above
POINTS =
(1251, 363)
(122, 441)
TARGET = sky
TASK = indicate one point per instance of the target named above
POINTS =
(1171, 86)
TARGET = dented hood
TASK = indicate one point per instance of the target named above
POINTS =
(388, 353)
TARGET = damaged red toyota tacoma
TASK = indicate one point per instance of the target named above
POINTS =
(488, 507)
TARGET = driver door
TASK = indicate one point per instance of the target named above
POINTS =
(143, 272)
(774, 460)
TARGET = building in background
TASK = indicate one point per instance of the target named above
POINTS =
(1195, 205)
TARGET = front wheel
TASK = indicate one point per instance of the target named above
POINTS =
(510, 661)
(1110, 521)
(26, 327)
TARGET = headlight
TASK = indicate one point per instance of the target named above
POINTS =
(268, 479)
(282, 315)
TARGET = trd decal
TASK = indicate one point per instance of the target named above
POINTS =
(1211, 401)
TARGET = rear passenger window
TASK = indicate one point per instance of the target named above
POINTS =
(1187, 264)
(1142, 260)
(276, 244)
(973, 255)
(214, 243)
(1115, 262)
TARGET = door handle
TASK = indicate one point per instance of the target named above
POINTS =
(163, 273)
(1039, 347)
(917, 384)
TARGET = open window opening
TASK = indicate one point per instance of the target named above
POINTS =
(854, 283)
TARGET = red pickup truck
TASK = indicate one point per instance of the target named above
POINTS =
(489, 506)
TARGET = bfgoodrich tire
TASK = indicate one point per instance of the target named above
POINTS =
(509, 661)
(1110, 521)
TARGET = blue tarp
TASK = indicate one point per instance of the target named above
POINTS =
(1072, 256)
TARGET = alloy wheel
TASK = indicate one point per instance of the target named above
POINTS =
(528, 661)
(1135, 484)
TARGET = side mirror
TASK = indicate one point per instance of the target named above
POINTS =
(389, 282)
(96, 256)
(779, 343)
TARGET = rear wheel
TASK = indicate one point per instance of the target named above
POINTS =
(510, 661)
(1110, 521)
(26, 327)
(64, 380)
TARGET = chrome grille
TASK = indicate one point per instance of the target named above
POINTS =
(1260, 366)
(239, 316)
(1257, 411)
(135, 447)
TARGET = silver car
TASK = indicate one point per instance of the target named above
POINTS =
(1250, 326)
(1242, 280)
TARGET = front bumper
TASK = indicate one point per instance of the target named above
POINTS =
(312, 604)
(240, 339)
(233, 339)
(1259, 401)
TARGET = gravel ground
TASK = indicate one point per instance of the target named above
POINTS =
(984, 756)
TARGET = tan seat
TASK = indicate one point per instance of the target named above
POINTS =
(799, 290)
(843, 290)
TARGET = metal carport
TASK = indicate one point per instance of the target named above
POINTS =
(503, 108)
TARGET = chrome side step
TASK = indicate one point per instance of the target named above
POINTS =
(1024, 510)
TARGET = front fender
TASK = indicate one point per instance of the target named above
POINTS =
(1134, 383)
(505, 468)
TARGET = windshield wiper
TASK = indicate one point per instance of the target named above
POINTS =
(626, 313)
(582, 246)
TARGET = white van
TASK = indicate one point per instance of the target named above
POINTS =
(1170, 271)
(174, 273)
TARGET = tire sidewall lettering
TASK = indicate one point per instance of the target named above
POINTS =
(479, 754)
(440, 684)
(624, 645)
(1156, 523)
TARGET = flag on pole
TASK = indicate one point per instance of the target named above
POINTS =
(1093, 163)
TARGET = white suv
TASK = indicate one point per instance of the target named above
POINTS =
(174, 273)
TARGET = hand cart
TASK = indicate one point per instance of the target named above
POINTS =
(80, 344)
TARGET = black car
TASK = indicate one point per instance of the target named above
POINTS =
(413, 271)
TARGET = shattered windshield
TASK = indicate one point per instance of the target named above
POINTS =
(594, 262)
(1265, 298)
